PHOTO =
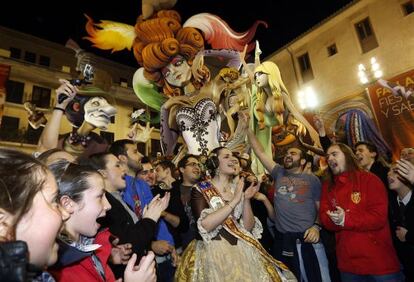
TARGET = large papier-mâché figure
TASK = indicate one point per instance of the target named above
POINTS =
(172, 59)
(87, 113)
(274, 112)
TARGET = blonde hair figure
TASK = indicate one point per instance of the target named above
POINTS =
(273, 109)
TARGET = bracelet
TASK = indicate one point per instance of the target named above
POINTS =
(230, 206)
(59, 109)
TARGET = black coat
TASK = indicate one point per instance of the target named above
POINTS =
(121, 225)
(176, 208)
(405, 250)
(14, 263)
(381, 171)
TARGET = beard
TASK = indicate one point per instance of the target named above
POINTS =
(292, 164)
(134, 165)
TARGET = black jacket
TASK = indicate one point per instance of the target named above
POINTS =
(405, 250)
(381, 171)
(122, 226)
(14, 264)
(176, 208)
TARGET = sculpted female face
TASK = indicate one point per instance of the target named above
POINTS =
(261, 79)
(178, 72)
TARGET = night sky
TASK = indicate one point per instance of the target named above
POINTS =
(287, 19)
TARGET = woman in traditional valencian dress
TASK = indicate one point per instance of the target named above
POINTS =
(226, 248)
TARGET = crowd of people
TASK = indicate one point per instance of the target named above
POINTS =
(221, 209)
(119, 214)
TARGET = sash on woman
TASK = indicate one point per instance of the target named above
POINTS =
(276, 269)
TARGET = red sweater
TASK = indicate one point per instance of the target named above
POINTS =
(363, 244)
(84, 270)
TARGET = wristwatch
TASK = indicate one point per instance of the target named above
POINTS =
(317, 225)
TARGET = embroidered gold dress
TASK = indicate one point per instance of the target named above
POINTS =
(229, 252)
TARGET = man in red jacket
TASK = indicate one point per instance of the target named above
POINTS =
(354, 205)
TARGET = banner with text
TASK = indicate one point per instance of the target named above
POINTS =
(394, 112)
(4, 76)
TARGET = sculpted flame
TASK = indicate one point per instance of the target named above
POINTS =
(109, 35)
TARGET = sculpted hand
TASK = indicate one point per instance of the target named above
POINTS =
(142, 134)
(145, 271)
(320, 126)
(244, 117)
(66, 89)
(196, 68)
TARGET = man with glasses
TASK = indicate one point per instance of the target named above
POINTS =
(190, 174)
(174, 215)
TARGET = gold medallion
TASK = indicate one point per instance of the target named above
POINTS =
(356, 197)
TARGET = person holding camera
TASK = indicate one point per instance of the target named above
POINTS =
(226, 246)
(296, 202)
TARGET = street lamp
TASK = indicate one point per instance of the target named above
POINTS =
(367, 77)
(307, 98)
(374, 72)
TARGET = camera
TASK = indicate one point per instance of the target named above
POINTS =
(88, 74)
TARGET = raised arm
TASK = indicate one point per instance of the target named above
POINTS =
(49, 138)
(266, 160)
(168, 136)
(320, 126)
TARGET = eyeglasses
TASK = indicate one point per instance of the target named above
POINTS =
(193, 164)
